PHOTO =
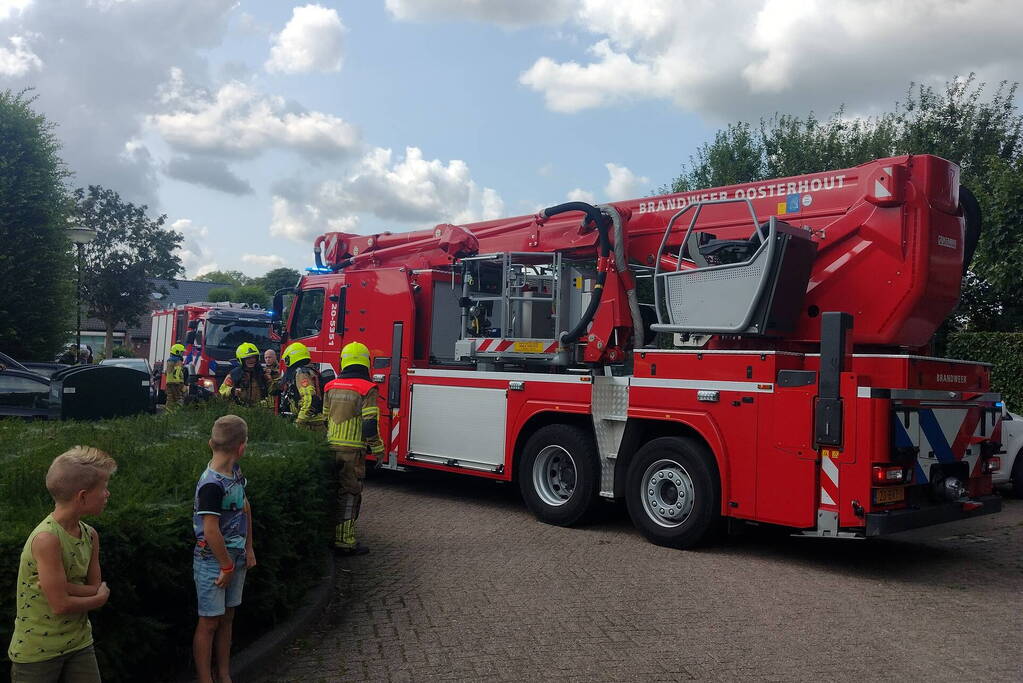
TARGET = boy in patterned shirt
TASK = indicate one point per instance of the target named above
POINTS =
(59, 579)
(222, 521)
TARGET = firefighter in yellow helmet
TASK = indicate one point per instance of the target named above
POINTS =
(350, 404)
(302, 394)
(175, 373)
(248, 384)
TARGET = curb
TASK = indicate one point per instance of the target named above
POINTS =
(255, 661)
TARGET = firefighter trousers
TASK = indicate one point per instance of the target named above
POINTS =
(175, 395)
(350, 466)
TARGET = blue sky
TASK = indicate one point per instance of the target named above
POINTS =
(256, 125)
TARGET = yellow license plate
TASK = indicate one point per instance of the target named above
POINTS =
(528, 347)
(889, 495)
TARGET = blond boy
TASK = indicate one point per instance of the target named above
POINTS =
(59, 579)
(222, 521)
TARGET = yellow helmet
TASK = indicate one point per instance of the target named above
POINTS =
(295, 352)
(177, 350)
(354, 353)
(246, 350)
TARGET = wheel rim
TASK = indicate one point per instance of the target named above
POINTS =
(668, 494)
(554, 475)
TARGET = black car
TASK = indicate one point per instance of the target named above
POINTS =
(26, 394)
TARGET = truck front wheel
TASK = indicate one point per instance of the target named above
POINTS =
(558, 474)
(673, 493)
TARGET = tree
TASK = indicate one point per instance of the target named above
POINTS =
(246, 294)
(965, 123)
(278, 278)
(235, 278)
(36, 282)
(130, 250)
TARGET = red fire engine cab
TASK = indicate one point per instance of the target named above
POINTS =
(210, 333)
(755, 352)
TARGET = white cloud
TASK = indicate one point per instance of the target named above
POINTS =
(19, 60)
(101, 63)
(212, 173)
(623, 183)
(195, 256)
(12, 7)
(411, 190)
(267, 261)
(735, 58)
(311, 41)
(511, 13)
(581, 195)
(240, 121)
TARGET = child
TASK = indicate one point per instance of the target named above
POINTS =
(59, 579)
(223, 552)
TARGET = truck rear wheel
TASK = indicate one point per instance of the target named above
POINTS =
(558, 474)
(673, 493)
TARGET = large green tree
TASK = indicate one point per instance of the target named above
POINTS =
(234, 278)
(278, 278)
(978, 127)
(130, 250)
(36, 294)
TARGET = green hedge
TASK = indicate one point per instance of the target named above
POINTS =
(144, 632)
(1002, 349)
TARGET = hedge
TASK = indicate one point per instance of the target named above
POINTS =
(145, 630)
(1004, 350)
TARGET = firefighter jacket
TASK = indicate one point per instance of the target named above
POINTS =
(350, 404)
(247, 387)
(302, 394)
(174, 368)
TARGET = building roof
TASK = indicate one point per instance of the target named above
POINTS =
(178, 292)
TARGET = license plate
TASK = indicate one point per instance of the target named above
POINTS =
(528, 347)
(889, 495)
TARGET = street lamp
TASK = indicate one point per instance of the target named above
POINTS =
(80, 237)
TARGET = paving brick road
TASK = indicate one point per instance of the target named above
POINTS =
(464, 584)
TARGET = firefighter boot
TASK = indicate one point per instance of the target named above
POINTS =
(344, 541)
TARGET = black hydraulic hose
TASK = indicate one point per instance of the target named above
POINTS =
(592, 214)
(972, 215)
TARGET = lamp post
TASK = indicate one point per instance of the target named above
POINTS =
(80, 237)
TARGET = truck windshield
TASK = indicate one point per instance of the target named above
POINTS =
(223, 337)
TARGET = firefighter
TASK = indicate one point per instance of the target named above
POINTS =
(174, 370)
(302, 395)
(350, 404)
(248, 384)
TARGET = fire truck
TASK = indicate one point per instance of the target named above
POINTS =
(753, 353)
(210, 333)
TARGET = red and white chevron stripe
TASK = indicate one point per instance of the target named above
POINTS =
(829, 483)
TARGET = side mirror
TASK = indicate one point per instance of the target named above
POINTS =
(277, 311)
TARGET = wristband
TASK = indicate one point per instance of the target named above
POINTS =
(228, 570)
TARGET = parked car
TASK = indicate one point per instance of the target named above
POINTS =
(26, 394)
(45, 369)
(142, 365)
(1011, 471)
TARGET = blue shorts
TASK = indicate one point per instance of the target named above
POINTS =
(205, 570)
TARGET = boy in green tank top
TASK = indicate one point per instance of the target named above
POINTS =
(59, 579)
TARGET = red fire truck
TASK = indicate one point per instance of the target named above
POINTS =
(210, 333)
(770, 366)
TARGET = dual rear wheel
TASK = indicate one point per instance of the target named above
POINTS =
(672, 490)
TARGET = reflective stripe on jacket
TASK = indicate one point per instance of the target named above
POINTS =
(350, 405)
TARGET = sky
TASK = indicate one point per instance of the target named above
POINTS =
(256, 125)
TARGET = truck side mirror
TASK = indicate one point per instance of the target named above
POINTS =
(277, 311)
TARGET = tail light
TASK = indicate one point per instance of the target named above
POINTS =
(992, 464)
(884, 475)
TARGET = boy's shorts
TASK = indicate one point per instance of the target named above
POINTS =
(78, 666)
(205, 570)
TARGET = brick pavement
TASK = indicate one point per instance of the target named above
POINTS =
(464, 584)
